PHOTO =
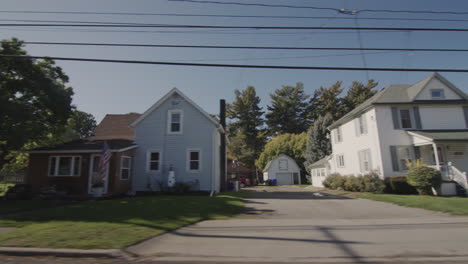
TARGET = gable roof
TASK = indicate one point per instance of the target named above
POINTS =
(267, 167)
(401, 94)
(115, 127)
(321, 163)
(166, 97)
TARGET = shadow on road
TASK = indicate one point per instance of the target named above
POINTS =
(292, 195)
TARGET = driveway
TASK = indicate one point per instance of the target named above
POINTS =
(293, 224)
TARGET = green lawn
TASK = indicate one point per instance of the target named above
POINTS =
(114, 223)
(452, 205)
(11, 206)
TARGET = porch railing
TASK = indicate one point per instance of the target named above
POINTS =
(444, 171)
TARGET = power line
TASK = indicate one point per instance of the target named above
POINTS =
(208, 15)
(232, 47)
(234, 65)
(236, 27)
(340, 10)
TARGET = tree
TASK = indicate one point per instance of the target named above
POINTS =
(327, 101)
(82, 123)
(288, 110)
(292, 145)
(358, 93)
(318, 140)
(34, 99)
(248, 138)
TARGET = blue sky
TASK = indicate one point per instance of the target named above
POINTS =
(120, 88)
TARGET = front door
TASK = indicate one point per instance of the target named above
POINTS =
(95, 179)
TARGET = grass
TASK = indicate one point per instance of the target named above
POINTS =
(4, 187)
(12, 206)
(452, 205)
(114, 223)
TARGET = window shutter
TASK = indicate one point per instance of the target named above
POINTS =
(369, 158)
(465, 111)
(364, 123)
(361, 160)
(393, 153)
(417, 152)
(396, 122)
(356, 126)
(417, 117)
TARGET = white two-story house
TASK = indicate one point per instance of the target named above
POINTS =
(427, 120)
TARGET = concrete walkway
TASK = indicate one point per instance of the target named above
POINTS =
(291, 224)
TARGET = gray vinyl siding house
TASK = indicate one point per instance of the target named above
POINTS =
(176, 134)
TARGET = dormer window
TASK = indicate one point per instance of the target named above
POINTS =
(437, 94)
(174, 125)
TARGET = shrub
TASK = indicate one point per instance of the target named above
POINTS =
(181, 187)
(423, 179)
(398, 185)
(366, 183)
(372, 183)
(334, 181)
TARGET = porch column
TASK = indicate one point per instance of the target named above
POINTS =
(436, 156)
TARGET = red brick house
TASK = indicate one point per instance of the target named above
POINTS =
(73, 167)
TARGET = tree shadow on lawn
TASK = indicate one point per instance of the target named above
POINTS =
(148, 216)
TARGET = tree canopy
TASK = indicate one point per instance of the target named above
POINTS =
(288, 110)
(318, 141)
(292, 145)
(34, 99)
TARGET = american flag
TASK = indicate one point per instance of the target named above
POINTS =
(106, 155)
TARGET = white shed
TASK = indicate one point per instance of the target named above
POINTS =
(284, 169)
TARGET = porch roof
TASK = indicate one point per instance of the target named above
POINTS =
(87, 146)
(441, 135)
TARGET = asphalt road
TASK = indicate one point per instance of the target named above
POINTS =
(289, 224)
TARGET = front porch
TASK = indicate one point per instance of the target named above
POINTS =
(446, 151)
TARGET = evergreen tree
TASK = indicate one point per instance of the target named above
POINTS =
(358, 93)
(327, 101)
(248, 138)
(288, 110)
(318, 140)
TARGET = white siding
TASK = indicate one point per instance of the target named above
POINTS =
(442, 117)
(274, 167)
(425, 94)
(352, 143)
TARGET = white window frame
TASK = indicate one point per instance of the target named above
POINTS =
(365, 156)
(169, 122)
(410, 116)
(148, 160)
(411, 156)
(339, 135)
(124, 168)
(285, 161)
(442, 94)
(72, 169)
(340, 162)
(189, 150)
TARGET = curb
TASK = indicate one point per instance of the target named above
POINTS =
(64, 252)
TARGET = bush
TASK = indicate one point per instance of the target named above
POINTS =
(181, 187)
(423, 179)
(334, 181)
(366, 183)
(398, 185)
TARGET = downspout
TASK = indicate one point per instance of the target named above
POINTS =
(222, 148)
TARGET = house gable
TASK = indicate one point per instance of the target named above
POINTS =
(435, 84)
(175, 95)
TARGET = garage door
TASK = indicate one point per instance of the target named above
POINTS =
(284, 178)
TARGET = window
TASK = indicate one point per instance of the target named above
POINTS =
(64, 165)
(405, 118)
(193, 160)
(437, 94)
(154, 161)
(340, 160)
(283, 164)
(125, 165)
(365, 161)
(403, 156)
(362, 125)
(174, 125)
(339, 135)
